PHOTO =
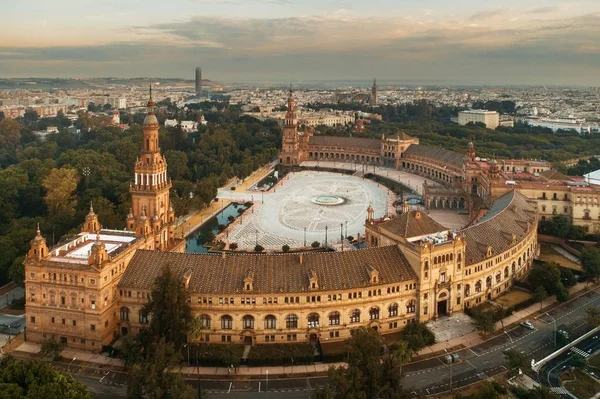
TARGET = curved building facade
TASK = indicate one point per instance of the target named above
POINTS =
(413, 270)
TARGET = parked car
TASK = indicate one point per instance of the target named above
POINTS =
(527, 324)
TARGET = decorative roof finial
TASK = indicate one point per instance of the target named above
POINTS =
(150, 91)
(91, 207)
(38, 233)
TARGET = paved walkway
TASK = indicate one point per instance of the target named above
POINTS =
(474, 338)
(190, 223)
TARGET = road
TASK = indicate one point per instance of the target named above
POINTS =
(426, 377)
(549, 375)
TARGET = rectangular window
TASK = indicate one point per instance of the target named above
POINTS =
(92, 327)
(458, 300)
(74, 323)
(32, 319)
(442, 277)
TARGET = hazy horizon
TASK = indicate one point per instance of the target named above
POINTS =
(466, 42)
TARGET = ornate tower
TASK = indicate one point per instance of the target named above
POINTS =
(374, 92)
(150, 190)
(38, 249)
(471, 152)
(91, 225)
(290, 146)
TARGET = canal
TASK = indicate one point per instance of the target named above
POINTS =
(207, 232)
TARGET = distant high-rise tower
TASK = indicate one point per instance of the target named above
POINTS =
(374, 92)
(198, 80)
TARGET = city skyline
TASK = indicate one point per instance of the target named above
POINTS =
(514, 42)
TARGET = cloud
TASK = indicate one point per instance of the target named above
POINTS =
(341, 44)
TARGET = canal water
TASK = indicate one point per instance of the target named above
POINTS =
(206, 232)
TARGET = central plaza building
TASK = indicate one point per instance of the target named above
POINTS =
(92, 289)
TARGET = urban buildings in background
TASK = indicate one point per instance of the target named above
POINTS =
(491, 119)
(198, 82)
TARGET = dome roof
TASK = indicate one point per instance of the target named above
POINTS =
(150, 121)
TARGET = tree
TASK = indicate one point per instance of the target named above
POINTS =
(37, 379)
(10, 133)
(156, 376)
(367, 375)
(169, 309)
(548, 275)
(60, 186)
(285, 248)
(315, 244)
(130, 350)
(592, 316)
(417, 336)
(540, 295)
(484, 322)
(52, 348)
(233, 246)
(515, 359)
(258, 248)
(590, 262)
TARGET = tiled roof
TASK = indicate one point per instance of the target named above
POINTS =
(348, 142)
(508, 215)
(412, 224)
(272, 273)
(552, 174)
(436, 153)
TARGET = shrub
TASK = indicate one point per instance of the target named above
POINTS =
(285, 248)
(233, 246)
(417, 335)
(280, 354)
(259, 248)
(315, 244)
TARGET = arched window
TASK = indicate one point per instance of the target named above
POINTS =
(467, 290)
(514, 267)
(478, 286)
(498, 277)
(124, 314)
(313, 320)
(355, 316)
(410, 306)
(291, 321)
(270, 322)
(334, 318)
(374, 313)
(248, 322)
(506, 272)
(226, 322)
(393, 310)
(204, 322)
(488, 282)
(143, 316)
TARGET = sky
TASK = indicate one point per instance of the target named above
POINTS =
(508, 42)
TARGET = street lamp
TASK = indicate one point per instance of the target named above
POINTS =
(188, 351)
(267, 385)
(554, 320)
(505, 332)
(70, 364)
(305, 236)
(451, 360)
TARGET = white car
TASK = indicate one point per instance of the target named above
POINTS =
(527, 324)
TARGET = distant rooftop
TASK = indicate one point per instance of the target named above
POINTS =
(479, 111)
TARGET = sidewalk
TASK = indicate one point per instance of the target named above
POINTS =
(190, 223)
(475, 338)
(434, 350)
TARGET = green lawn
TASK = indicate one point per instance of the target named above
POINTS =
(595, 361)
(580, 384)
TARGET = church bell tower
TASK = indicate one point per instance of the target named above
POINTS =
(290, 146)
(150, 189)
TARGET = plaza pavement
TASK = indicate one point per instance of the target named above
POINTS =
(188, 224)
(28, 349)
